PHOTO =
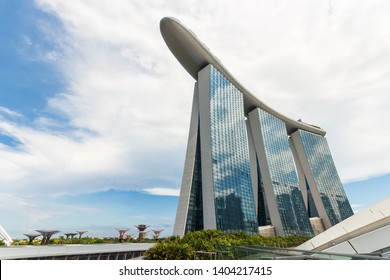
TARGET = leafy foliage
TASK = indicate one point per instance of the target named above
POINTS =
(2, 243)
(170, 251)
(24, 242)
(176, 248)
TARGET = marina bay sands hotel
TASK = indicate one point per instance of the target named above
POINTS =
(248, 167)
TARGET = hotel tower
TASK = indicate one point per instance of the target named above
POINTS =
(247, 166)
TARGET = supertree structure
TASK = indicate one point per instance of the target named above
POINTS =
(142, 233)
(31, 237)
(122, 232)
(47, 234)
(156, 234)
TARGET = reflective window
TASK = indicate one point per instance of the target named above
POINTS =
(263, 216)
(326, 177)
(281, 166)
(234, 201)
(195, 205)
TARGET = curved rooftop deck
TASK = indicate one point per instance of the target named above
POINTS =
(193, 55)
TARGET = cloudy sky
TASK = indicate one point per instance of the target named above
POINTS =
(94, 109)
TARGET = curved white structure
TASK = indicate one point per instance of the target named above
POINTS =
(365, 232)
(248, 165)
(193, 55)
(4, 236)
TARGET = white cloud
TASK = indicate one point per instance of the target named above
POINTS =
(51, 56)
(128, 100)
(357, 207)
(163, 191)
(34, 213)
(8, 112)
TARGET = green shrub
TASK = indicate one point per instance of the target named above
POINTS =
(17, 242)
(170, 251)
(176, 248)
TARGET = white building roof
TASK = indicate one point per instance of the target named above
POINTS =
(20, 252)
(365, 232)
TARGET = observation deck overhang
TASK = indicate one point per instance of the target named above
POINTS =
(193, 55)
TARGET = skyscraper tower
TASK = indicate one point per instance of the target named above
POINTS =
(248, 165)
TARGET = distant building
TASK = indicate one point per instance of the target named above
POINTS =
(246, 164)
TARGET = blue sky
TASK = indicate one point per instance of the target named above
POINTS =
(94, 109)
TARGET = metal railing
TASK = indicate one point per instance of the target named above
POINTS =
(253, 252)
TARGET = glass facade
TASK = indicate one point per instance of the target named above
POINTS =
(234, 200)
(195, 206)
(218, 187)
(263, 216)
(325, 175)
(284, 179)
(226, 186)
(311, 207)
